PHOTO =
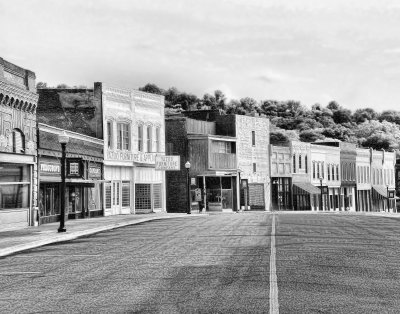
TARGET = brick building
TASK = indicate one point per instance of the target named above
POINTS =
(18, 180)
(84, 172)
(224, 151)
(78, 112)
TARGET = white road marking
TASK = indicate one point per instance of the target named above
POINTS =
(273, 280)
(57, 255)
(20, 273)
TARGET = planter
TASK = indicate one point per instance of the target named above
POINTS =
(214, 207)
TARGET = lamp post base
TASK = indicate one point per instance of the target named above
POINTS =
(62, 230)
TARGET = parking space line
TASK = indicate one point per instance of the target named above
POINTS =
(273, 281)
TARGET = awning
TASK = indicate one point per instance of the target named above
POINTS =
(382, 191)
(305, 188)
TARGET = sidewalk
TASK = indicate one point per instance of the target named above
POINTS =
(31, 237)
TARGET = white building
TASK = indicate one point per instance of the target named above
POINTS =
(133, 125)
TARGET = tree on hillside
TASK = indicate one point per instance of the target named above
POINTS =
(152, 88)
(310, 136)
(333, 105)
(390, 116)
(41, 85)
(380, 141)
(341, 116)
(365, 114)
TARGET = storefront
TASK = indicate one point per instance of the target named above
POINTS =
(281, 193)
(304, 195)
(218, 193)
(15, 191)
(84, 173)
(83, 189)
(149, 190)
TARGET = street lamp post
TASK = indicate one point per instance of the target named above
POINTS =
(321, 198)
(63, 139)
(187, 166)
(387, 197)
(275, 183)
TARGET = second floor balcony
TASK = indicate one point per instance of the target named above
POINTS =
(212, 153)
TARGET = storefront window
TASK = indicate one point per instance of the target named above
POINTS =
(142, 196)
(157, 196)
(49, 200)
(14, 173)
(14, 196)
(108, 194)
(94, 197)
(14, 186)
(126, 193)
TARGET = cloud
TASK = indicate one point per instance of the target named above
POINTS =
(392, 51)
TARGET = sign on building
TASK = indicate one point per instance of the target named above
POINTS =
(168, 162)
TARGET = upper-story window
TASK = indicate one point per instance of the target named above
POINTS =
(329, 172)
(158, 140)
(306, 163)
(149, 138)
(18, 141)
(300, 163)
(140, 138)
(109, 134)
(337, 172)
(294, 163)
(223, 147)
(318, 171)
(254, 167)
(314, 170)
(123, 136)
(323, 170)
(253, 138)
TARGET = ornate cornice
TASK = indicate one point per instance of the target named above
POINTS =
(147, 96)
(17, 92)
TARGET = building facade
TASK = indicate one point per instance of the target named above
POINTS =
(228, 155)
(134, 128)
(18, 180)
(363, 180)
(84, 172)
(382, 179)
(281, 177)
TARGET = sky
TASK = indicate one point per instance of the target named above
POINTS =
(312, 51)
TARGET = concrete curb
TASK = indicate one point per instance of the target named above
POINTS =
(62, 237)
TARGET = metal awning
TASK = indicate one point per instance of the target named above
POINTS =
(306, 187)
(382, 190)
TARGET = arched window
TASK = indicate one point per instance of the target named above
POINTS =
(18, 141)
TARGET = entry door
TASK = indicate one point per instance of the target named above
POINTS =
(116, 197)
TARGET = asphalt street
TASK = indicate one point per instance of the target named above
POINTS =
(338, 263)
(322, 263)
(215, 264)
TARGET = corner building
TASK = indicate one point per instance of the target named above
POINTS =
(18, 148)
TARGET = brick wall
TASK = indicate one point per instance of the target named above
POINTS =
(71, 109)
(176, 182)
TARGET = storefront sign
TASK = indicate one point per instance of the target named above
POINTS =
(125, 156)
(94, 172)
(144, 158)
(168, 162)
(50, 168)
